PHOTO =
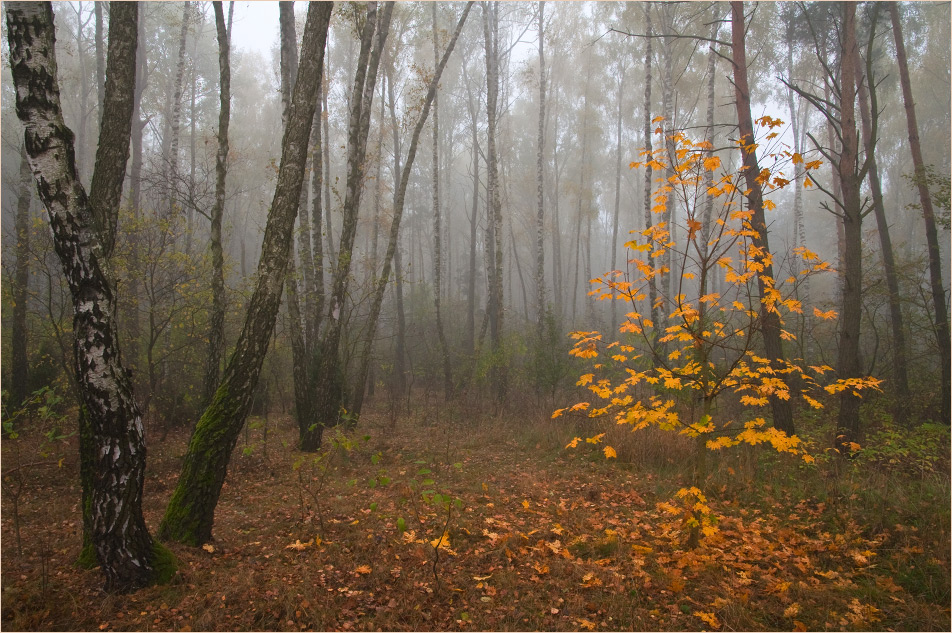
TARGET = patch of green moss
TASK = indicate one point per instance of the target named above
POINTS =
(87, 557)
(164, 563)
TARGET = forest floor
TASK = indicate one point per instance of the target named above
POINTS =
(534, 537)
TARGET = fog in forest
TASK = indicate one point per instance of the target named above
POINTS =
(512, 208)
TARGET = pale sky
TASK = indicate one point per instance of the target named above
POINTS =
(255, 26)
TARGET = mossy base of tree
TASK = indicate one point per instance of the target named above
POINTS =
(87, 557)
(164, 563)
(179, 524)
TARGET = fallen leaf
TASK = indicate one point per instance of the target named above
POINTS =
(208, 548)
(363, 569)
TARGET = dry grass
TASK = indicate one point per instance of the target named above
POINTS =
(545, 539)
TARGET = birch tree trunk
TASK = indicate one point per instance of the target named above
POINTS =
(438, 228)
(328, 383)
(217, 317)
(190, 514)
(20, 365)
(939, 301)
(123, 546)
(652, 285)
(495, 303)
(619, 97)
(174, 110)
(540, 188)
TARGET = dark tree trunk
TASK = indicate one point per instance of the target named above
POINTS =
(217, 318)
(848, 359)
(191, 511)
(867, 98)
(328, 381)
(130, 312)
(316, 303)
(928, 215)
(100, 59)
(124, 548)
(307, 438)
(770, 320)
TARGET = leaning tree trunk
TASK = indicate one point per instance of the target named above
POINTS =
(217, 318)
(20, 366)
(928, 215)
(399, 196)
(191, 511)
(299, 354)
(328, 379)
(782, 413)
(100, 59)
(124, 548)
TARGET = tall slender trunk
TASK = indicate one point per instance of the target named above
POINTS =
(491, 36)
(129, 316)
(329, 395)
(939, 301)
(770, 320)
(100, 59)
(473, 223)
(614, 261)
(326, 148)
(653, 308)
(867, 98)
(299, 353)
(315, 305)
(81, 47)
(557, 267)
(190, 514)
(20, 366)
(438, 229)
(672, 279)
(848, 358)
(217, 317)
(540, 188)
(175, 114)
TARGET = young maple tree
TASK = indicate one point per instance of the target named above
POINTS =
(709, 343)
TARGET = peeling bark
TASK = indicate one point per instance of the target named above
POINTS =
(124, 548)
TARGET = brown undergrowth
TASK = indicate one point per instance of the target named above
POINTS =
(447, 521)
